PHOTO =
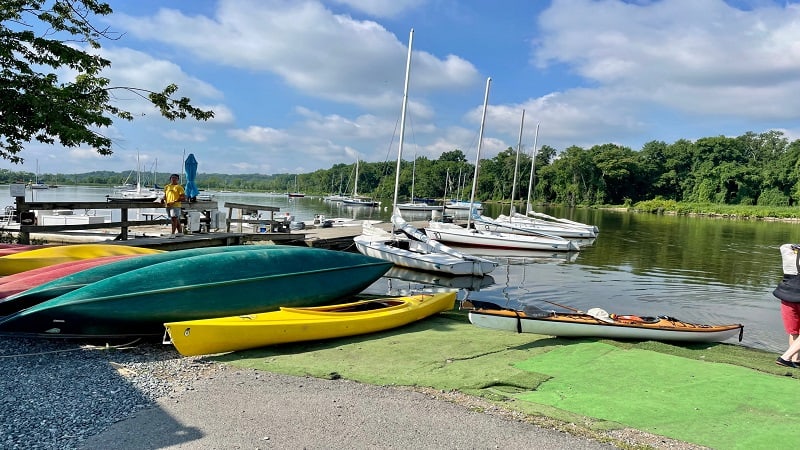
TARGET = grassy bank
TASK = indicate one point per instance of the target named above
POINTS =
(718, 210)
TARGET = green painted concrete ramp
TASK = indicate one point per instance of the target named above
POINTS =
(712, 404)
(721, 396)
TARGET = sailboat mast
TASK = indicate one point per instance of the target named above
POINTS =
(355, 183)
(516, 164)
(413, 176)
(138, 174)
(478, 156)
(444, 195)
(529, 206)
(403, 120)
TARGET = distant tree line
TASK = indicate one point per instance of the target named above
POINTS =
(752, 169)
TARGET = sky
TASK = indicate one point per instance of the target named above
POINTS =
(301, 85)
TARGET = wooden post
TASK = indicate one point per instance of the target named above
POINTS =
(23, 237)
(123, 217)
(17, 191)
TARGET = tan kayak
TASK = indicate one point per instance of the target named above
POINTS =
(600, 324)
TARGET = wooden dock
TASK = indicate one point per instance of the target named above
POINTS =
(156, 237)
(153, 231)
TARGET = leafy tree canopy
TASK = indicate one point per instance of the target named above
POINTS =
(36, 105)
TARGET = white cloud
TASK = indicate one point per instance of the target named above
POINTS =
(132, 68)
(382, 8)
(314, 50)
(260, 135)
(694, 57)
(196, 135)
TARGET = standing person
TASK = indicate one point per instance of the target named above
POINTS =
(788, 292)
(173, 196)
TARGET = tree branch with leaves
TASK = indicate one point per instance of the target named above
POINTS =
(35, 105)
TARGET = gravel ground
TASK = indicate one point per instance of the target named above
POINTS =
(56, 394)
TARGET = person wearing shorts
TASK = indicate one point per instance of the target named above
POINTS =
(788, 292)
(173, 196)
(790, 313)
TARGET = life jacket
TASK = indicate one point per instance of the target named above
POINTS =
(788, 289)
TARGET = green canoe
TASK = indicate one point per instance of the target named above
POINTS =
(51, 289)
(139, 302)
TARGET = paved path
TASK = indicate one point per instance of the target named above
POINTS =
(250, 409)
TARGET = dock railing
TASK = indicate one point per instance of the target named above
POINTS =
(25, 212)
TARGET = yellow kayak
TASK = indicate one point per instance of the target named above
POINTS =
(226, 334)
(48, 256)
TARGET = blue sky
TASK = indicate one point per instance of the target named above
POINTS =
(300, 85)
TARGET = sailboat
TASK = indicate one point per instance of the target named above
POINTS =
(481, 234)
(137, 193)
(407, 246)
(296, 193)
(519, 224)
(543, 220)
(336, 196)
(458, 204)
(38, 184)
(413, 205)
(355, 199)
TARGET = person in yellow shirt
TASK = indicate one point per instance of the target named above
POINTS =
(173, 196)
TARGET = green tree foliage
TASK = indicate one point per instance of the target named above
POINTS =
(753, 169)
(37, 105)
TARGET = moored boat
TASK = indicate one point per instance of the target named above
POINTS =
(480, 234)
(139, 302)
(523, 225)
(599, 324)
(409, 247)
(199, 337)
(479, 237)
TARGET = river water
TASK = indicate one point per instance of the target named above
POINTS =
(698, 269)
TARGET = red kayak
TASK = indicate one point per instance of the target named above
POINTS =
(22, 281)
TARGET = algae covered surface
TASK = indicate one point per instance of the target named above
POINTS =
(716, 395)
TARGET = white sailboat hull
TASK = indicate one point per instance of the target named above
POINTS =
(429, 256)
(418, 207)
(410, 247)
(448, 232)
(558, 220)
(522, 226)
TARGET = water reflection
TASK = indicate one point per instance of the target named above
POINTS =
(511, 256)
(404, 281)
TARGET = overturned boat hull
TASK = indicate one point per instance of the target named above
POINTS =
(139, 302)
